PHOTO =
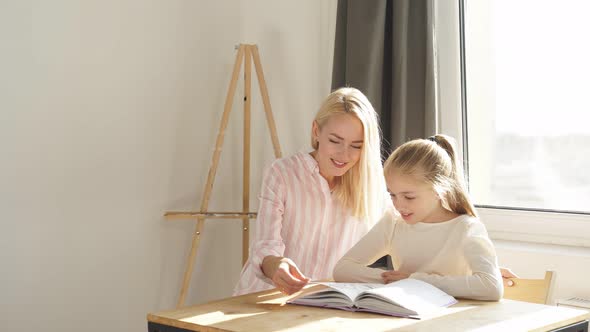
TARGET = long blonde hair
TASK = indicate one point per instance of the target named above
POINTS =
(434, 160)
(362, 188)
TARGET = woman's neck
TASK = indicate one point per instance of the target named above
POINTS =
(331, 180)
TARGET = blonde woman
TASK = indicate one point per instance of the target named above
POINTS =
(314, 206)
(435, 236)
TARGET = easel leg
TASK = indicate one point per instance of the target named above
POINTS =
(190, 262)
(221, 134)
(246, 175)
(266, 102)
(212, 170)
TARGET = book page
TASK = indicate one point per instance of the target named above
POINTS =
(324, 297)
(412, 294)
(351, 290)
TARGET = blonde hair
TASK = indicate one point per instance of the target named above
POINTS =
(434, 160)
(362, 188)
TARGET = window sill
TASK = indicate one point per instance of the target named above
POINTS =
(537, 227)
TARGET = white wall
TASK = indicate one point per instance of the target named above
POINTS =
(108, 116)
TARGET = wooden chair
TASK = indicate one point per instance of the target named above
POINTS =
(530, 290)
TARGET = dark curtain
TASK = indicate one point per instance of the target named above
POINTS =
(385, 48)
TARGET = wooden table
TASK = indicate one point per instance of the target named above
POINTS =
(267, 311)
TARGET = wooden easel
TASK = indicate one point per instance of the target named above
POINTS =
(248, 53)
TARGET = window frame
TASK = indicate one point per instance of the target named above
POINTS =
(503, 223)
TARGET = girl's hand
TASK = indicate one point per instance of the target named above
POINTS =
(391, 276)
(287, 277)
(506, 275)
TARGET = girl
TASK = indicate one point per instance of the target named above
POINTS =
(314, 206)
(435, 236)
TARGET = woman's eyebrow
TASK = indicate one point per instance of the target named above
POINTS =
(338, 137)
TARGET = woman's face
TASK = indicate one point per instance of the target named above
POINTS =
(340, 144)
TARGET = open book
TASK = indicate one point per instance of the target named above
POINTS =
(405, 298)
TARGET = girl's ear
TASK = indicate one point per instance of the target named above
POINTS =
(440, 195)
(443, 200)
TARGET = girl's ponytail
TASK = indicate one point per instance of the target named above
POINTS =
(457, 196)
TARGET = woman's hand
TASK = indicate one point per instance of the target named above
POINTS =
(506, 275)
(284, 274)
(391, 276)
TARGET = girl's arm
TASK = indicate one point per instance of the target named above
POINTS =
(374, 245)
(485, 281)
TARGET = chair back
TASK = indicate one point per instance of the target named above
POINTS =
(530, 290)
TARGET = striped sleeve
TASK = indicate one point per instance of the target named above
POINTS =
(269, 220)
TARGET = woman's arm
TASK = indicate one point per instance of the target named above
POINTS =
(374, 245)
(268, 240)
(266, 254)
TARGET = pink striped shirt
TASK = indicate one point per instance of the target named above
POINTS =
(299, 219)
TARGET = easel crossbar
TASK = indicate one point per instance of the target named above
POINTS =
(172, 215)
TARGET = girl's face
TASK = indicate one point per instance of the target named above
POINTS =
(415, 200)
(340, 144)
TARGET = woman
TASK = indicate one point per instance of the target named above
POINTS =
(316, 205)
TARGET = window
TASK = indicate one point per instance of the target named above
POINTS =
(527, 95)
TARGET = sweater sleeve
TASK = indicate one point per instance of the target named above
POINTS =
(352, 267)
(268, 241)
(485, 281)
